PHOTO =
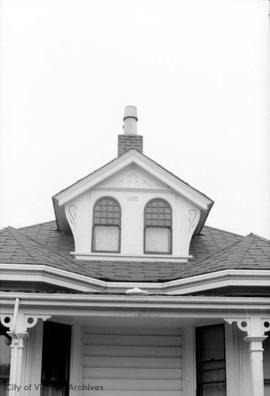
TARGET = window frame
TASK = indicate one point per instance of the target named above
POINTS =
(106, 225)
(170, 228)
(199, 363)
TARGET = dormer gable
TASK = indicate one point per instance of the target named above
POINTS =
(132, 177)
(128, 184)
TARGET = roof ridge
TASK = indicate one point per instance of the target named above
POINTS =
(262, 239)
(46, 247)
(35, 225)
(219, 229)
(246, 248)
(219, 251)
(13, 234)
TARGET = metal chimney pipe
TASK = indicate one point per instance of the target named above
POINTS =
(130, 120)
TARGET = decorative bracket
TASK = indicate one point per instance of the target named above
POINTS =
(22, 323)
(71, 213)
(254, 326)
(193, 219)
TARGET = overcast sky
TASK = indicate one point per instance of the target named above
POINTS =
(196, 70)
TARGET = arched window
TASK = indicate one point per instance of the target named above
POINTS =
(158, 227)
(106, 231)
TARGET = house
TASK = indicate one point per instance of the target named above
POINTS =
(128, 292)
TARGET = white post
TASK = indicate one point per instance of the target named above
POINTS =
(255, 328)
(18, 323)
(16, 363)
(256, 364)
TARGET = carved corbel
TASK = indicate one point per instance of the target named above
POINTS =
(253, 326)
(23, 323)
(193, 219)
(71, 214)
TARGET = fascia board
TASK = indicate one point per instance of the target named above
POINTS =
(133, 157)
(164, 306)
(98, 176)
(218, 279)
(202, 282)
(213, 276)
(82, 283)
(176, 184)
(50, 275)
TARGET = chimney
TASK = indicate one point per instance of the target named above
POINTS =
(129, 139)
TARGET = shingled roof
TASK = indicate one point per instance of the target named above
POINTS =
(212, 250)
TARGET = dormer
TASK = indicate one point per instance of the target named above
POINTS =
(131, 208)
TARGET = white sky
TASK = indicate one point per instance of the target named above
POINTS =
(196, 70)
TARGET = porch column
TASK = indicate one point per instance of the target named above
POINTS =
(16, 362)
(255, 328)
(18, 323)
(256, 362)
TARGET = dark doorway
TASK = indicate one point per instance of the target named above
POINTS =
(55, 359)
(211, 365)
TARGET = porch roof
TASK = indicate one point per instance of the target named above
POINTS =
(213, 250)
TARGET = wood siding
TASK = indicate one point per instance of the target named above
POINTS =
(130, 362)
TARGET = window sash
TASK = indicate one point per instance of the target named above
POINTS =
(106, 239)
(158, 240)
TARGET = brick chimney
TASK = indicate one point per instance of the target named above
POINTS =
(129, 139)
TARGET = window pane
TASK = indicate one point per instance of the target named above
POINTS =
(214, 389)
(106, 238)
(158, 213)
(157, 240)
(266, 389)
(106, 211)
(211, 341)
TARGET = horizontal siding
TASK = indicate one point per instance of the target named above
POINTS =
(139, 364)
(131, 372)
(136, 384)
(132, 351)
(131, 340)
(125, 361)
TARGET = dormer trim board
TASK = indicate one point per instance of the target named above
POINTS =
(135, 258)
(133, 156)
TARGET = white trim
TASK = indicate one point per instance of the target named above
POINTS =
(133, 189)
(82, 283)
(26, 364)
(233, 373)
(119, 163)
(120, 257)
(49, 275)
(76, 363)
(36, 337)
(219, 279)
(159, 305)
(189, 362)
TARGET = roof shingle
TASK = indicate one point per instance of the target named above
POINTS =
(212, 250)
